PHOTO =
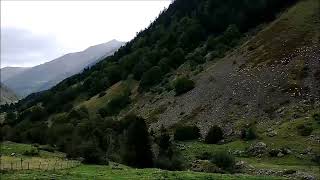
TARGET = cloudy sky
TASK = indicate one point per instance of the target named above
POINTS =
(34, 32)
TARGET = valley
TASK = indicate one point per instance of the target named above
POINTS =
(193, 96)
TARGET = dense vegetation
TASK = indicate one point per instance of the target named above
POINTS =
(186, 133)
(214, 135)
(173, 39)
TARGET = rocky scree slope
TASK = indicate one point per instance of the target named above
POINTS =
(273, 73)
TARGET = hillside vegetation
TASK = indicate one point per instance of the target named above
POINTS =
(7, 95)
(211, 86)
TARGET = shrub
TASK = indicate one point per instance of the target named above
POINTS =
(183, 133)
(304, 130)
(204, 156)
(150, 78)
(140, 68)
(316, 117)
(249, 134)
(224, 160)
(183, 85)
(92, 154)
(31, 152)
(164, 65)
(174, 162)
(37, 113)
(316, 158)
(195, 59)
(214, 135)
(115, 105)
(177, 57)
(11, 117)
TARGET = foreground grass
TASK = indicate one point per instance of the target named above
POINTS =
(13, 158)
(107, 172)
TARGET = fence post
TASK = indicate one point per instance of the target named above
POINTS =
(40, 165)
(21, 164)
(11, 166)
(28, 165)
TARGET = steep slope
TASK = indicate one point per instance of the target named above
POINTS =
(9, 72)
(7, 95)
(46, 75)
(274, 73)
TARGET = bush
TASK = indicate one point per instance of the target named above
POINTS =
(183, 133)
(204, 156)
(249, 134)
(150, 78)
(177, 58)
(183, 85)
(140, 68)
(11, 117)
(214, 135)
(224, 161)
(316, 158)
(304, 130)
(115, 105)
(38, 113)
(316, 117)
(174, 162)
(31, 152)
(92, 154)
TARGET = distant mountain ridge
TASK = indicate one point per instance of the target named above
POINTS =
(9, 72)
(42, 77)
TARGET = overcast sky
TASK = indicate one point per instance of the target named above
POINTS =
(34, 32)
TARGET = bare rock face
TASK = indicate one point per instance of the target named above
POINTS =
(257, 149)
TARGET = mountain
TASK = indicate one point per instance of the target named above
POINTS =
(7, 95)
(208, 81)
(25, 81)
(9, 72)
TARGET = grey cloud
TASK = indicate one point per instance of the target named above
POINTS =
(22, 47)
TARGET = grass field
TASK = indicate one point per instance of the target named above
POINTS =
(55, 166)
(13, 158)
(107, 172)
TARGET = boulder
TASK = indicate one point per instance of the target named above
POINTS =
(272, 133)
(257, 149)
(280, 154)
(204, 166)
(241, 165)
